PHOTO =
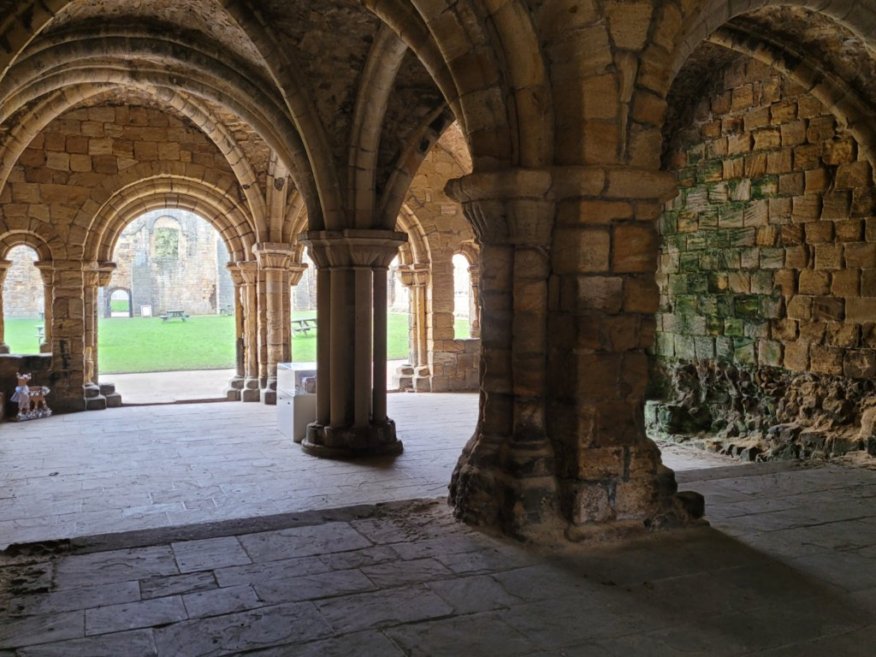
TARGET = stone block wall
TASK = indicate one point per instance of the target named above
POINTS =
(767, 267)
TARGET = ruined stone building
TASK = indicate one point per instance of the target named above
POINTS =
(671, 198)
(169, 259)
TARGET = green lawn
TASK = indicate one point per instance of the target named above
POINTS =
(21, 335)
(147, 344)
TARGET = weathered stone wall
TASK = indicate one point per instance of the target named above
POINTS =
(195, 279)
(23, 287)
(767, 268)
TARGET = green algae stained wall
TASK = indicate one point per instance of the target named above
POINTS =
(768, 253)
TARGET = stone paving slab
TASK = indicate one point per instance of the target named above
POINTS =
(406, 579)
(200, 463)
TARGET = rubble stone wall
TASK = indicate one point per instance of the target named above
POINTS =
(767, 271)
(195, 279)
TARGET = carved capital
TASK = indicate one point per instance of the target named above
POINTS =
(249, 272)
(105, 272)
(296, 271)
(47, 270)
(353, 248)
(4, 268)
(511, 207)
(273, 255)
(234, 269)
(415, 275)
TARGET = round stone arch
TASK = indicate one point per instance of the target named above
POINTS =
(505, 127)
(168, 192)
(42, 246)
(712, 14)
(72, 92)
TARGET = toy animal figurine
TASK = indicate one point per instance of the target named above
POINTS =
(31, 399)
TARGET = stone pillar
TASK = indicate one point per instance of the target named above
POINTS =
(95, 276)
(416, 278)
(249, 272)
(274, 260)
(104, 278)
(47, 270)
(68, 337)
(90, 277)
(506, 474)
(235, 385)
(4, 268)
(560, 441)
(351, 343)
(474, 307)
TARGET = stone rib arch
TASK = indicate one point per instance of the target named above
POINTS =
(167, 192)
(67, 98)
(857, 15)
(272, 126)
(417, 244)
(328, 212)
(833, 92)
(375, 86)
(470, 251)
(409, 161)
(12, 238)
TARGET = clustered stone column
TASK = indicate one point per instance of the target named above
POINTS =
(274, 261)
(95, 276)
(351, 343)
(416, 278)
(249, 272)
(235, 385)
(4, 268)
(47, 270)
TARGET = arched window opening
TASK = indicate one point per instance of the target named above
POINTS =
(166, 239)
(462, 297)
(23, 302)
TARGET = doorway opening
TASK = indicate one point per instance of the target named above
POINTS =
(165, 335)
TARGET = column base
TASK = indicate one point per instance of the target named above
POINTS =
(45, 348)
(351, 442)
(250, 395)
(511, 488)
(269, 397)
(4, 348)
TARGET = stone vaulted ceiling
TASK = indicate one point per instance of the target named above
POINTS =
(268, 79)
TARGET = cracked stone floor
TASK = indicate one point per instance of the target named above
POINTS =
(292, 560)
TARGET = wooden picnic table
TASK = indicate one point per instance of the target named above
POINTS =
(303, 325)
(170, 314)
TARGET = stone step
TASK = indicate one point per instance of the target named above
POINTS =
(91, 391)
(113, 400)
(107, 388)
(95, 403)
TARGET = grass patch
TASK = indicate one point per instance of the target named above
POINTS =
(21, 335)
(147, 344)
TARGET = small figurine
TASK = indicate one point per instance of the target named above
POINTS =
(31, 399)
